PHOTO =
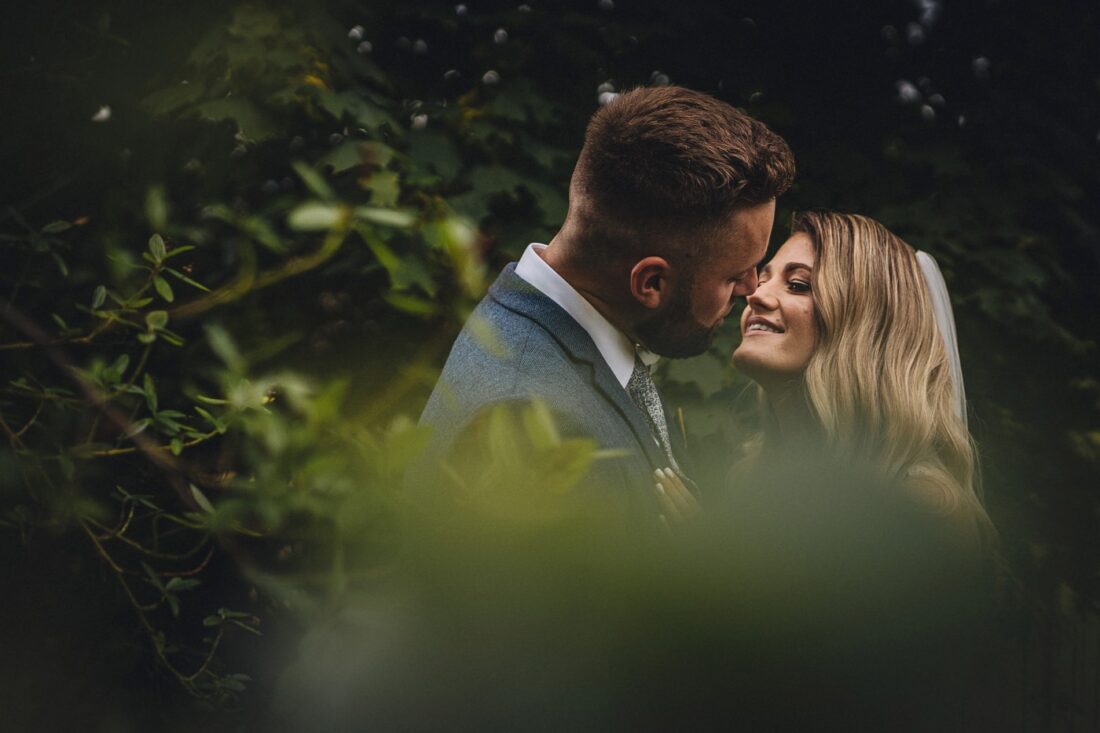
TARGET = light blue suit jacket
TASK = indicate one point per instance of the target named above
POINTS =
(539, 351)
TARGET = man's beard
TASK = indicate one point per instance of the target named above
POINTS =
(674, 332)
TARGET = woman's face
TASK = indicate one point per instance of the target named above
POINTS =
(778, 332)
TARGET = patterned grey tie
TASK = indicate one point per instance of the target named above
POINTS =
(643, 392)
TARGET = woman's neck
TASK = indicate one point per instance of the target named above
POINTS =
(795, 425)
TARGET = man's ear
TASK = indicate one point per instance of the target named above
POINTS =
(651, 281)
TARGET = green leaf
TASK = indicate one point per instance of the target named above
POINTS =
(118, 368)
(314, 215)
(247, 628)
(222, 344)
(201, 500)
(157, 248)
(163, 288)
(171, 337)
(384, 188)
(183, 278)
(405, 271)
(213, 621)
(234, 685)
(227, 614)
(156, 320)
(411, 304)
(150, 390)
(178, 583)
(252, 123)
(156, 207)
(343, 157)
(540, 425)
(176, 446)
(60, 262)
(138, 427)
(387, 217)
(179, 250)
(356, 107)
(99, 297)
(56, 227)
(153, 577)
(707, 372)
(218, 424)
(431, 149)
(314, 181)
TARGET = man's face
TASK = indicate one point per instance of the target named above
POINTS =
(703, 298)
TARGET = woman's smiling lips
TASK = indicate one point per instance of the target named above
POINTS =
(758, 324)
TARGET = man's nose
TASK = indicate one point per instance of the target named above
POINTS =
(747, 285)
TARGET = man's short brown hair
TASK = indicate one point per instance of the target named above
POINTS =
(664, 158)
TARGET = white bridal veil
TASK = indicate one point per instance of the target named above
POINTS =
(945, 321)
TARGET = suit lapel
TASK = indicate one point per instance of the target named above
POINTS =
(516, 294)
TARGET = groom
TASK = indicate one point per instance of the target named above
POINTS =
(671, 206)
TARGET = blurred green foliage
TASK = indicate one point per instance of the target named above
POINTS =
(242, 237)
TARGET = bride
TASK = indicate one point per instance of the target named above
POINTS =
(851, 340)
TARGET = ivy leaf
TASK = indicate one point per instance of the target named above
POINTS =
(707, 372)
(403, 271)
(357, 108)
(384, 188)
(436, 151)
(343, 157)
(251, 122)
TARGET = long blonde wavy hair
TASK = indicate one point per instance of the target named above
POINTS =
(879, 381)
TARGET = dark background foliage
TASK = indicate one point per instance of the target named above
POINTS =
(237, 239)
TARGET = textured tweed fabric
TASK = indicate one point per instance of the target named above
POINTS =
(644, 393)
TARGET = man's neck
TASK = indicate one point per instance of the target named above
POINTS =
(590, 285)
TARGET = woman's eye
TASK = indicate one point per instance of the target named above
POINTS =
(799, 286)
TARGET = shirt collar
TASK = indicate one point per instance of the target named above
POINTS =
(614, 346)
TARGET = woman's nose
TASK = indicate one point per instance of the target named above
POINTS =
(761, 300)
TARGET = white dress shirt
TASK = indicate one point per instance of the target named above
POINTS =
(614, 346)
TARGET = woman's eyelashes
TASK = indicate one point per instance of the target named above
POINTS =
(795, 285)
